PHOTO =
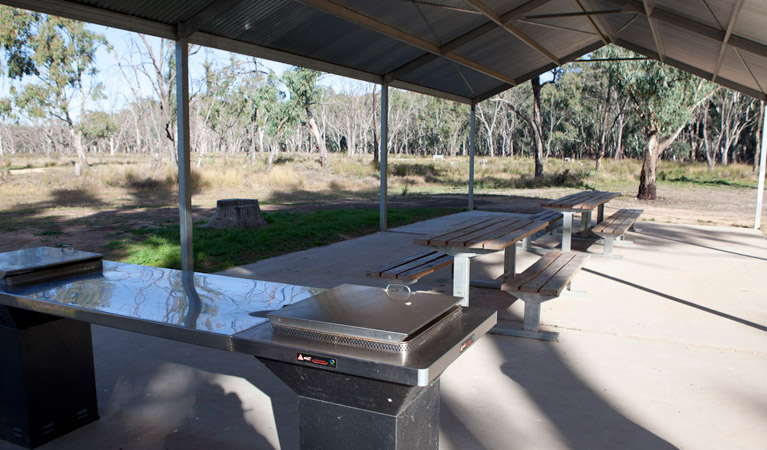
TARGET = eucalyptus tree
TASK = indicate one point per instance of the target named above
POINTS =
(59, 55)
(305, 92)
(664, 99)
(534, 121)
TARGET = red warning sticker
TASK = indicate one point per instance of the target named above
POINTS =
(317, 360)
(466, 343)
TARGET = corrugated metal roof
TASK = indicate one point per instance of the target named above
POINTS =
(455, 49)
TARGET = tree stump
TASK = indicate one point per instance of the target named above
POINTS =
(237, 213)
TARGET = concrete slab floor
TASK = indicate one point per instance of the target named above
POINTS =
(667, 349)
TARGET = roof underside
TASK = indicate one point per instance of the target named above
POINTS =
(463, 50)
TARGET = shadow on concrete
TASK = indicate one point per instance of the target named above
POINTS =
(680, 300)
(713, 236)
(183, 395)
(453, 430)
(583, 417)
(210, 403)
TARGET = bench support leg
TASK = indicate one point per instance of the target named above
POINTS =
(609, 245)
(531, 326)
(532, 316)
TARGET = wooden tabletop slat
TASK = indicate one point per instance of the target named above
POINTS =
(558, 282)
(479, 240)
(442, 239)
(581, 200)
(478, 237)
(527, 229)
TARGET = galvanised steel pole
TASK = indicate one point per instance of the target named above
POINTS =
(182, 141)
(384, 150)
(473, 131)
(762, 161)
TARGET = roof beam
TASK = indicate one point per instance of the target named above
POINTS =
(694, 27)
(572, 56)
(593, 23)
(98, 16)
(694, 70)
(464, 39)
(395, 33)
(490, 14)
(656, 36)
(205, 15)
(727, 35)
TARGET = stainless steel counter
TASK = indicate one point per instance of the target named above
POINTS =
(230, 314)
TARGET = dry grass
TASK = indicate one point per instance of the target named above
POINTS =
(129, 181)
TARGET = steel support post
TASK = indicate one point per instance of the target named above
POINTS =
(509, 263)
(384, 151)
(182, 141)
(461, 277)
(472, 133)
(567, 230)
(760, 184)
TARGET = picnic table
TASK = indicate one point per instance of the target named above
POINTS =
(584, 203)
(482, 236)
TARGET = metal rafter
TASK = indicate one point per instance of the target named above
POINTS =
(727, 34)
(694, 26)
(395, 33)
(464, 39)
(693, 70)
(656, 36)
(593, 24)
(492, 15)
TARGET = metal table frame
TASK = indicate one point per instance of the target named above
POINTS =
(482, 237)
(224, 313)
(582, 203)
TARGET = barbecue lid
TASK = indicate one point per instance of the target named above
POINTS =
(365, 312)
(40, 258)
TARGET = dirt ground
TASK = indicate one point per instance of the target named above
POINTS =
(91, 229)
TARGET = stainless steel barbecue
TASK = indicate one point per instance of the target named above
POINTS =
(368, 355)
(367, 317)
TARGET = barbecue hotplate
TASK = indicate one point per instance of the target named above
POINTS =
(366, 316)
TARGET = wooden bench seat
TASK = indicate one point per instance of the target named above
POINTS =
(616, 226)
(544, 280)
(409, 270)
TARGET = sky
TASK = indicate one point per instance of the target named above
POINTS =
(117, 91)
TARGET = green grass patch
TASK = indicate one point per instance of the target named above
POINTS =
(287, 232)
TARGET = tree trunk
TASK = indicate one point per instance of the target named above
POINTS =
(537, 127)
(647, 190)
(77, 141)
(317, 137)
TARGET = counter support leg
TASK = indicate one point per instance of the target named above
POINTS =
(345, 412)
(48, 383)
